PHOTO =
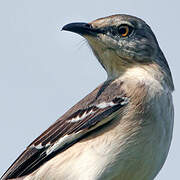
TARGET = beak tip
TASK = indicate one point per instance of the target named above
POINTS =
(64, 28)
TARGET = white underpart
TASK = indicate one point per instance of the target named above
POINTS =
(62, 141)
(78, 118)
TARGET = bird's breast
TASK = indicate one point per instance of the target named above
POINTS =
(137, 143)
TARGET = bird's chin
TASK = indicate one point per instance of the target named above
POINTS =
(103, 44)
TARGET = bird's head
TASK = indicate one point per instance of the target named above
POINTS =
(120, 42)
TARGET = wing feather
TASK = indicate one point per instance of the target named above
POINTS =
(92, 112)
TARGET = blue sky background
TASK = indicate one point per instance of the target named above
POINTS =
(44, 71)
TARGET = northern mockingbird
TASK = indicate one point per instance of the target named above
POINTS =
(120, 131)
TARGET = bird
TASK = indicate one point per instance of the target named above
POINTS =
(123, 129)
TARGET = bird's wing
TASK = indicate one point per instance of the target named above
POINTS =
(93, 111)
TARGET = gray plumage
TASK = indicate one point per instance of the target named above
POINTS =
(123, 129)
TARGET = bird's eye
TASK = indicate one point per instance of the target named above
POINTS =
(125, 30)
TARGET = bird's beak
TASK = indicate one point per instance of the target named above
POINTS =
(81, 28)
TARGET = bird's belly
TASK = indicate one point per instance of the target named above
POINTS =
(141, 162)
(139, 157)
(113, 156)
